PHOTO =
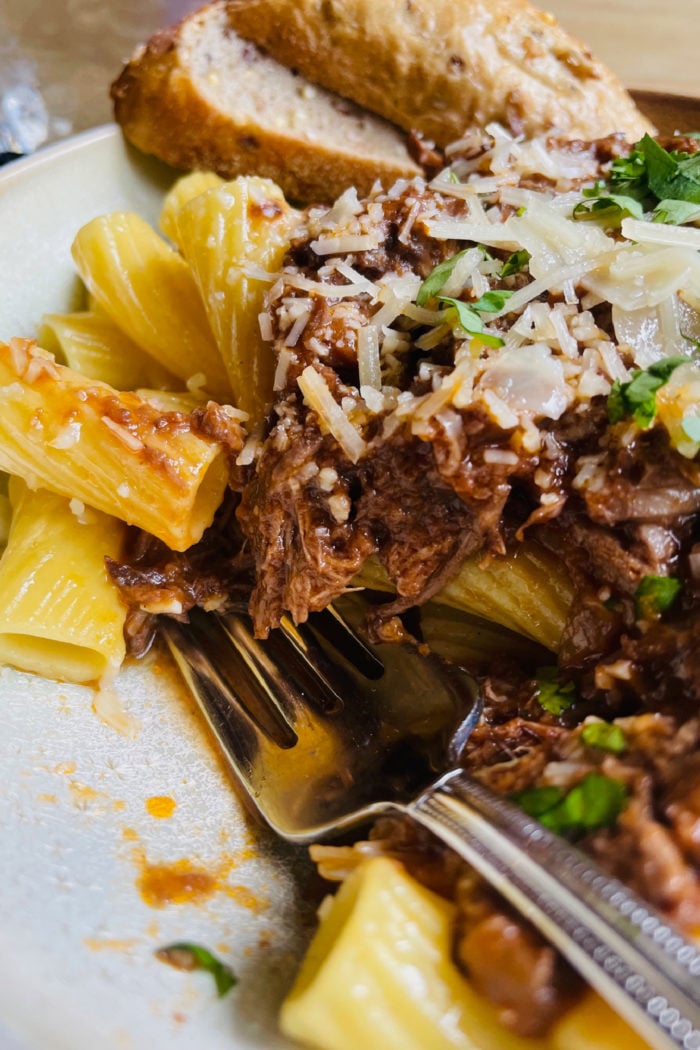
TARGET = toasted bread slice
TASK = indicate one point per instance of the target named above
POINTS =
(439, 66)
(199, 97)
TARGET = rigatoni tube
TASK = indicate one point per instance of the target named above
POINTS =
(149, 292)
(61, 614)
(379, 972)
(113, 451)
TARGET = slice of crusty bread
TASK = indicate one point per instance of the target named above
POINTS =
(441, 65)
(198, 96)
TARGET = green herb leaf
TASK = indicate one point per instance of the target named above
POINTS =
(538, 800)
(691, 427)
(605, 735)
(671, 175)
(437, 278)
(654, 595)
(595, 802)
(515, 263)
(491, 302)
(609, 209)
(553, 695)
(186, 956)
(469, 319)
(637, 398)
(676, 212)
(630, 172)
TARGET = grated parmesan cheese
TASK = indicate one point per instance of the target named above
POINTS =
(319, 398)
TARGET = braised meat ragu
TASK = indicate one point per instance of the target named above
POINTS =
(504, 355)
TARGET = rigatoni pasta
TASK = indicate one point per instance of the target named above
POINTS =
(232, 236)
(149, 292)
(61, 615)
(111, 450)
(90, 343)
(380, 972)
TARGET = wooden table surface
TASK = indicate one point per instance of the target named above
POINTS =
(650, 44)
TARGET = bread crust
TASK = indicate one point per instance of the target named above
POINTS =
(440, 66)
(160, 102)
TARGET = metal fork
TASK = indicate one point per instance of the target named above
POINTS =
(325, 732)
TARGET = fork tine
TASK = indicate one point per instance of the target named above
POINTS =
(236, 731)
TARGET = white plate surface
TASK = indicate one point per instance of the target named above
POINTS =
(77, 840)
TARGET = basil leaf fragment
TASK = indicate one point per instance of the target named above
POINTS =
(610, 209)
(515, 263)
(673, 175)
(437, 278)
(675, 213)
(666, 183)
(595, 802)
(637, 397)
(538, 800)
(468, 315)
(654, 595)
(554, 695)
(605, 735)
(186, 956)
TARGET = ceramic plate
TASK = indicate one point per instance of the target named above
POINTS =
(110, 805)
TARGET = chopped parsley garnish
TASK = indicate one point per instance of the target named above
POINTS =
(676, 212)
(674, 175)
(437, 278)
(554, 695)
(515, 263)
(595, 802)
(651, 179)
(637, 398)
(610, 209)
(605, 735)
(186, 956)
(654, 595)
(467, 315)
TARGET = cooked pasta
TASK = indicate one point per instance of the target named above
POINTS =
(114, 451)
(379, 971)
(61, 615)
(527, 590)
(90, 343)
(148, 291)
(234, 238)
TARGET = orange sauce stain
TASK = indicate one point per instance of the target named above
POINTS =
(246, 898)
(65, 767)
(97, 944)
(46, 798)
(83, 794)
(130, 834)
(86, 797)
(160, 806)
(181, 881)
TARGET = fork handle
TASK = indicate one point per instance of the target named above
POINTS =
(644, 968)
